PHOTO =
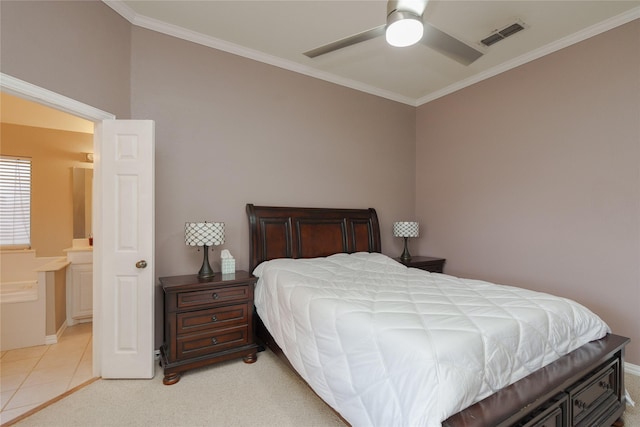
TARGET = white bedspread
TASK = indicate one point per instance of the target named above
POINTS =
(388, 345)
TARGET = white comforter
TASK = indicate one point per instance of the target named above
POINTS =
(388, 345)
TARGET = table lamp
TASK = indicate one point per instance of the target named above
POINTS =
(204, 234)
(406, 229)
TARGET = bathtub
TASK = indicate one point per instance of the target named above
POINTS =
(23, 298)
(23, 291)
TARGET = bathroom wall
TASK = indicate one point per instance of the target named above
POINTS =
(56, 312)
(54, 153)
(56, 300)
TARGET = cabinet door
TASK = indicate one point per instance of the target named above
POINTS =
(81, 291)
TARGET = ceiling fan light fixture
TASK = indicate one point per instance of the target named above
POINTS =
(403, 28)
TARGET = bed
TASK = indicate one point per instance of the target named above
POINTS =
(584, 387)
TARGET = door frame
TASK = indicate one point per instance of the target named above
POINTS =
(31, 92)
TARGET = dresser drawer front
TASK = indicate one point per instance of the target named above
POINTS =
(552, 419)
(207, 343)
(213, 296)
(220, 317)
(596, 390)
(553, 414)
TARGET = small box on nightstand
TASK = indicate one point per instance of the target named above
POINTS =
(228, 265)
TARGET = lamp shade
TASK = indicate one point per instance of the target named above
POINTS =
(406, 229)
(403, 28)
(204, 233)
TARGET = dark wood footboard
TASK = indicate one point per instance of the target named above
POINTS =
(582, 388)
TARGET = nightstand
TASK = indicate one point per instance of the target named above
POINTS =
(427, 263)
(206, 321)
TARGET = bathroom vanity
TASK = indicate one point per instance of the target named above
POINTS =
(80, 282)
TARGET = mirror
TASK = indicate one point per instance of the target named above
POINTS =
(82, 202)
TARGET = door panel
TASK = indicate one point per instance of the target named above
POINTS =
(127, 210)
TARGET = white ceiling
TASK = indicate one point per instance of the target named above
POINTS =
(277, 32)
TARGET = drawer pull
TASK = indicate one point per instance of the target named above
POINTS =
(214, 318)
(215, 296)
(605, 385)
(580, 404)
(214, 340)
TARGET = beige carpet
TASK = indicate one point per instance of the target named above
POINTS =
(233, 393)
(632, 414)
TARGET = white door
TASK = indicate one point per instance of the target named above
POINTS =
(124, 239)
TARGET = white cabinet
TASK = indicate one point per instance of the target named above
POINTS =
(81, 292)
(79, 286)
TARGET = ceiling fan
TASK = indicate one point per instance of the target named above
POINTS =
(403, 17)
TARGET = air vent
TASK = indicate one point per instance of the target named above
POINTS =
(502, 34)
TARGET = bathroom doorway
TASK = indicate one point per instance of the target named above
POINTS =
(115, 141)
(45, 97)
(60, 142)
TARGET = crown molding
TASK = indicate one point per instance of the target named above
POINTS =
(588, 32)
(212, 42)
(122, 9)
(215, 43)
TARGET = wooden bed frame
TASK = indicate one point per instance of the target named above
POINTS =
(583, 388)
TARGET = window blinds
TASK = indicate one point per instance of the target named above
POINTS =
(15, 202)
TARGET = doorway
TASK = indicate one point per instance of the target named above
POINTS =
(45, 97)
(124, 230)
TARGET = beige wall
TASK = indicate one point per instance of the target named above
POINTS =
(80, 49)
(60, 298)
(54, 153)
(232, 131)
(529, 178)
(56, 304)
(532, 178)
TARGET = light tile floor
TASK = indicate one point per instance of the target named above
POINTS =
(32, 376)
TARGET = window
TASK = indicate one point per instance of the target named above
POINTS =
(15, 202)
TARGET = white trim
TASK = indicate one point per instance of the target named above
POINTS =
(14, 86)
(630, 368)
(122, 9)
(173, 30)
(53, 339)
(594, 30)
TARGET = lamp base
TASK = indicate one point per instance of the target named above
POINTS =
(406, 256)
(205, 271)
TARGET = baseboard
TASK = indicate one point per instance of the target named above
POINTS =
(53, 339)
(630, 368)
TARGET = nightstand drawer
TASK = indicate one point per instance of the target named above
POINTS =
(205, 343)
(213, 296)
(220, 317)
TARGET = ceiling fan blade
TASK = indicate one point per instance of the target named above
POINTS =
(348, 41)
(449, 46)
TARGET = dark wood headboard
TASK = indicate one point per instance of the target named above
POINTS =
(288, 232)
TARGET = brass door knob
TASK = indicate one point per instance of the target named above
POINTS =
(141, 264)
